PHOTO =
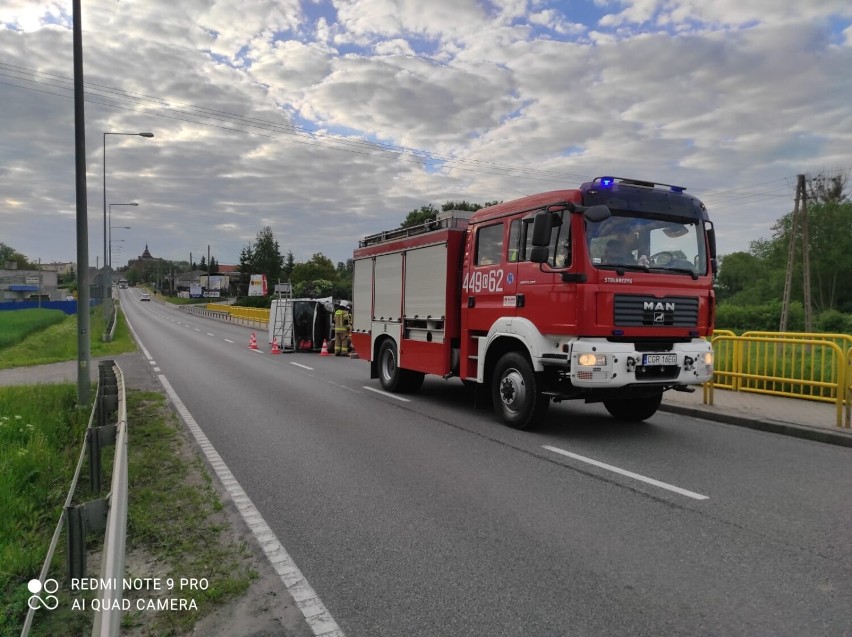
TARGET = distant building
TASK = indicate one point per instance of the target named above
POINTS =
(145, 257)
(20, 285)
(60, 268)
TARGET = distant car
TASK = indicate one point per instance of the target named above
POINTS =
(145, 297)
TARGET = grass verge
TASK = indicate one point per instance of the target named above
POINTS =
(40, 436)
(15, 325)
(177, 527)
(58, 342)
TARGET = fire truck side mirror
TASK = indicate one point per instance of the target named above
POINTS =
(539, 254)
(542, 227)
(711, 239)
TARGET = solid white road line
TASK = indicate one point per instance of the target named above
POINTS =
(321, 622)
(388, 394)
(629, 474)
(315, 612)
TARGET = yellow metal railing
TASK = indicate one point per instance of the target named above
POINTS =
(782, 365)
(260, 314)
(849, 388)
(257, 314)
(843, 340)
(722, 333)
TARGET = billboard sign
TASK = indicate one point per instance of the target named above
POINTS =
(257, 285)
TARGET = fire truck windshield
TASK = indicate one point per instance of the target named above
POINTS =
(675, 245)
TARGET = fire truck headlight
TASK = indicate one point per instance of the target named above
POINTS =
(708, 358)
(591, 360)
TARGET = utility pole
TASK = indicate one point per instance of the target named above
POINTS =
(83, 343)
(800, 216)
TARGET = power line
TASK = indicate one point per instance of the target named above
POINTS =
(113, 97)
(116, 98)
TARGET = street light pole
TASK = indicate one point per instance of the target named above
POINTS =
(106, 248)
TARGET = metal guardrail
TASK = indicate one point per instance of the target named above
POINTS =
(782, 365)
(261, 315)
(255, 316)
(113, 322)
(111, 307)
(843, 340)
(107, 425)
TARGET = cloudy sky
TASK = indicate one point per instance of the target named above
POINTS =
(331, 119)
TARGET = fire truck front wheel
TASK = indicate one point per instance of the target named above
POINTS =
(517, 400)
(634, 409)
(392, 377)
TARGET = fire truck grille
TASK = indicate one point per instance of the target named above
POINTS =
(648, 311)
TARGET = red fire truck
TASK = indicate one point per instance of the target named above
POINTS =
(602, 293)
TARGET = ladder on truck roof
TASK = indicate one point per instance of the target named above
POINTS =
(445, 219)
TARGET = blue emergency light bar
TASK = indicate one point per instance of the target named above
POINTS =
(608, 183)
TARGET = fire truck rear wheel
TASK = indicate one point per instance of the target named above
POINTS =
(634, 409)
(392, 377)
(515, 394)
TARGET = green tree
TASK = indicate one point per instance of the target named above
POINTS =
(830, 234)
(757, 277)
(428, 212)
(317, 267)
(262, 257)
(289, 264)
(9, 254)
(420, 216)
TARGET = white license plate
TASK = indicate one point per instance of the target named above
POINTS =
(659, 359)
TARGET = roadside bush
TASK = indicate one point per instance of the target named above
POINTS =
(254, 301)
(834, 322)
(765, 317)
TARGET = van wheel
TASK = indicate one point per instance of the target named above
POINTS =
(515, 394)
(634, 409)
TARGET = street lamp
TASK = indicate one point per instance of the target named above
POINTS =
(106, 249)
(111, 241)
(109, 233)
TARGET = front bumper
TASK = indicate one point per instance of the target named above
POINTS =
(621, 364)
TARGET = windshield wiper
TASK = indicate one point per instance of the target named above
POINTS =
(622, 267)
(688, 271)
(626, 266)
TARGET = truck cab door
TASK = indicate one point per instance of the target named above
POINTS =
(547, 293)
(490, 279)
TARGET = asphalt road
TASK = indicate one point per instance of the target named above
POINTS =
(426, 517)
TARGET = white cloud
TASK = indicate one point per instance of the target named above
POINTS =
(289, 115)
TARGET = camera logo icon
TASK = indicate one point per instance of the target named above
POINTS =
(49, 601)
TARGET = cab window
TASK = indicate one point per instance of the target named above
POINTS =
(489, 245)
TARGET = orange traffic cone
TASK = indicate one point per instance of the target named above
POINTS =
(253, 341)
(324, 351)
(275, 348)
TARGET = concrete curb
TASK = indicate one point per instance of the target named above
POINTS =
(815, 434)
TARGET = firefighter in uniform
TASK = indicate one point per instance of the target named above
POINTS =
(342, 327)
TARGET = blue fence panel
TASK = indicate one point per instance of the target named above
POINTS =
(69, 307)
